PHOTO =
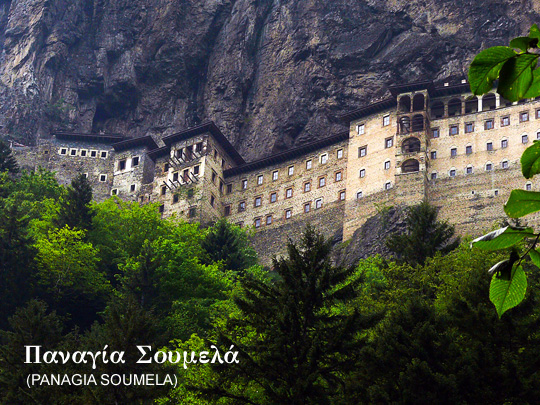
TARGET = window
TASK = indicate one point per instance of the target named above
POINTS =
(488, 124)
(307, 207)
(489, 146)
(73, 152)
(161, 209)
(387, 185)
(468, 149)
(257, 222)
(259, 179)
(190, 193)
(175, 176)
(389, 142)
(469, 127)
(215, 154)
(496, 192)
(528, 186)
(103, 154)
(452, 173)
(290, 171)
(505, 121)
(307, 187)
(114, 191)
(489, 167)
(504, 143)
(538, 135)
(214, 176)
(288, 193)
(504, 164)
(275, 175)
(359, 195)
(198, 147)
(454, 130)
(269, 220)
(163, 190)
(132, 188)
(538, 113)
(362, 151)
(524, 116)
(339, 153)
(386, 120)
(258, 201)
(273, 197)
(63, 151)
(361, 129)
(468, 170)
(387, 165)
(433, 175)
(288, 214)
(192, 212)
(524, 138)
(196, 170)
(453, 152)
(175, 198)
(135, 161)
(433, 155)
(212, 200)
(322, 182)
(221, 185)
(338, 176)
(244, 184)
(318, 203)
(102, 177)
(324, 159)
(122, 165)
(222, 162)
(242, 206)
(309, 164)
(342, 196)
(362, 173)
(229, 188)
(166, 167)
(435, 132)
(93, 153)
(84, 152)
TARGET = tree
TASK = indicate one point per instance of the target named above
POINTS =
(296, 336)
(424, 237)
(229, 244)
(7, 160)
(75, 208)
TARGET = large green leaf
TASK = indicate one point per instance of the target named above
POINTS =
(530, 160)
(534, 88)
(535, 257)
(516, 76)
(506, 294)
(524, 43)
(535, 32)
(521, 203)
(486, 66)
(502, 238)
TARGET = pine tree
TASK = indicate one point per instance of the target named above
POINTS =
(296, 336)
(7, 160)
(75, 209)
(424, 236)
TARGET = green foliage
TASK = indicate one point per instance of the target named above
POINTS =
(521, 203)
(424, 236)
(502, 238)
(7, 160)
(506, 294)
(75, 209)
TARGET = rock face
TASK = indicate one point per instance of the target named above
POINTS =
(270, 73)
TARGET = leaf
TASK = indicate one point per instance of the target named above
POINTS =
(486, 66)
(516, 76)
(501, 238)
(521, 203)
(534, 89)
(530, 160)
(535, 257)
(506, 294)
(524, 43)
(535, 32)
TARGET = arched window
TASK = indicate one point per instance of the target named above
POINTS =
(454, 107)
(418, 102)
(471, 105)
(410, 166)
(404, 125)
(489, 102)
(418, 123)
(437, 109)
(405, 104)
(410, 145)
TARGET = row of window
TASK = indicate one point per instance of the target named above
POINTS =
(489, 166)
(123, 164)
(361, 128)
(132, 189)
(287, 214)
(489, 147)
(83, 152)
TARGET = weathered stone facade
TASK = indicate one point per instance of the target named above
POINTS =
(439, 143)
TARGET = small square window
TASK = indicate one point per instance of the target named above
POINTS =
(73, 152)
(342, 196)
(338, 176)
(387, 165)
(452, 173)
(63, 151)
(386, 120)
(363, 173)
(290, 171)
(257, 222)
(192, 212)
(83, 153)
(132, 188)
(528, 186)
(433, 176)
(114, 191)
(229, 188)
(505, 121)
(307, 207)
(135, 161)
(275, 175)
(307, 187)
(288, 214)
(258, 201)
(227, 210)
(175, 198)
(259, 180)
(453, 152)
(288, 193)
(273, 197)
(103, 154)
(196, 170)
(269, 220)
(468, 170)
(309, 164)
(322, 182)
(122, 165)
(435, 132)
(165, 168)
(359, 195)
(496, 192)
(387, 185)
(318, 203)
(389, 142)
(102, 177)
(489, 146)
(488, 124)
(469, 127)
(339, 153)
(362, 151)
(175, 176)
(163, 190)
(524, 116)
(324, 159)
(504, 143)
(161, 209)
(361, 129)
(433, 155)
(524, 138)
(454, 130)
(468, 149)
(489, 167)
(93, 153)
(244, 184)
(242, 206)
(85, 175)
(504, 164)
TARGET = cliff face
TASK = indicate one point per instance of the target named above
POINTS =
(270, 73)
